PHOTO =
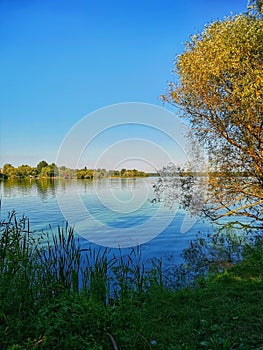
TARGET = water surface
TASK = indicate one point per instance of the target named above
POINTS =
(119, 207)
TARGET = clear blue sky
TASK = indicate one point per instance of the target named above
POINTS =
(61, 60)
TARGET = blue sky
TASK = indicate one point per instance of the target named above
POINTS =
(61, 60)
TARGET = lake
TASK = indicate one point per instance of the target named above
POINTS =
(112, 212)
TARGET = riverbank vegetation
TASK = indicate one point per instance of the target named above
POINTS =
(45, 170)
(55, 295)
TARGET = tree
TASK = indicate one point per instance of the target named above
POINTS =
(86, 173)
(123, 171)
(54, 170)
(114, 173)
(24, 170)
(8, 170)
(255, 8)
(220, 91)
(46, 171)
(41, 165)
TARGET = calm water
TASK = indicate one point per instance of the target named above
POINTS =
(108, 212)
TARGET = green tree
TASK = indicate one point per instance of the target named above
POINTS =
(85, 173)
(66, 172)
(34, 172)
(114, 173)
(220, 91)
(24, 170)
(41, 165)
(123, 171)
(46, 171)
(54, 170)
(8, 170)
(100, 173)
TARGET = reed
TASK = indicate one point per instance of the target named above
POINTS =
(56, 295)
(54, 262)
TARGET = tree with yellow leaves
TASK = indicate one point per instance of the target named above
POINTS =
(220, 91)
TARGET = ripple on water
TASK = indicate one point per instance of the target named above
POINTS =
(41, 206)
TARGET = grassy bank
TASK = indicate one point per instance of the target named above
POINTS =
(56, 296)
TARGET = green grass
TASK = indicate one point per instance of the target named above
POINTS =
(56, 296)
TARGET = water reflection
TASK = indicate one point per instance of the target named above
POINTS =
(46, 187)
(123, 183)
(11, 186)
(49, 186)
(107, 210)
(86, 184)
(43, 187)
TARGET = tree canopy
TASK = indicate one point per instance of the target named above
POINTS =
(255, 8)
(45, 170)
(220, 90)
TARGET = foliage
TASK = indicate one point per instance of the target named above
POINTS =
(21, 171)
(255, 8)
(24, 170)
(103, 173)
(91, 173)
(220, 92)
(8, 170)
(67, 173)
(133, 173)
(45, 170)
(46, 305)
(183, 186)
(41, 165)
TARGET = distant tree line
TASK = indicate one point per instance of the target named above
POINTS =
(45, 170)
(102, 173)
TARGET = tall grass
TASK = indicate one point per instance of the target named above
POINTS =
(55, 294)
(55, 262)
(18, 251)
(43, 266)
(37, 270)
